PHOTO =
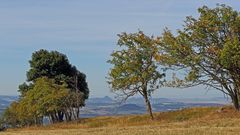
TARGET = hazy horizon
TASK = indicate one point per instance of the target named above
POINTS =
(87, 33)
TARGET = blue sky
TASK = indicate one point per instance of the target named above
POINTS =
(85, 30)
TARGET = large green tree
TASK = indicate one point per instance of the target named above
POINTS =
(207, 48)
(134, 68)
(55, 65)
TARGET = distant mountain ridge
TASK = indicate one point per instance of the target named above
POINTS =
(105, 99)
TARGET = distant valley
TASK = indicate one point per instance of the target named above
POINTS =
(106, 106)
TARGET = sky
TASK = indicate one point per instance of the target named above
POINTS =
(86, 31)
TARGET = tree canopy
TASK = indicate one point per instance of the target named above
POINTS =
(55, 65)
(208, 49)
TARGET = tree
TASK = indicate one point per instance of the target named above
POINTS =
(208, 48)
(10, 116)
(56, 67)
(134, 67)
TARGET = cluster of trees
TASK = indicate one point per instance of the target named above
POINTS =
(54, 89)
(207, 50)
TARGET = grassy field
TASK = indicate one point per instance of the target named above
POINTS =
(194, 121)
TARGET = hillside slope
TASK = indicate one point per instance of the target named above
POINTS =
(193, 121)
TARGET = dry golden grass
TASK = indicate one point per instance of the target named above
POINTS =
(194, 121)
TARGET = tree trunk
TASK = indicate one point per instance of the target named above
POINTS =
(78, 112)
(53, 118)
(60, 116)
(74, 113)
(67, 115)
(148, 104)
(235, 101)
(50, 119)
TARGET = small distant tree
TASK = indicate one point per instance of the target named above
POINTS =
(208, 49)
(10, 115)
(134, 68)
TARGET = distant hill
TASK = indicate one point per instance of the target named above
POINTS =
(130, 109)
(99, 100)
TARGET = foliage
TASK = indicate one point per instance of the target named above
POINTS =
(51, 64)
(208, 48)
(24, 88)
(134, 67)
(10, 115)
(45, 99)
(55, 65)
